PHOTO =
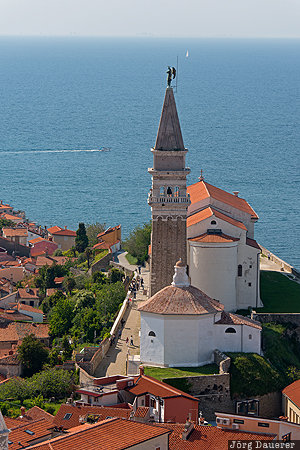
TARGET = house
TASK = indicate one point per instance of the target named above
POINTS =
(5, 208)
(24, 435)
(165, 403)
(69, 415)
(64, 238)
(181, 326)
(291, 402)
(223, 256)
(17, 235)
(12, 270)
(28, 296)
(10, 365)
(13, 218)
(44, 260)
(13, 333)
(109, 239)
(35, 314)
(283, 430)
(113, 433)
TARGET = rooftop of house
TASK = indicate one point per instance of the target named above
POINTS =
(50, 260)
(10, 217)
(144, 384)
(235, 319)
(208, 212)
(208, 437)
(69, 416)
(108, 230)
(16, 331)
(11, 232)
(13, 315)
(28, 293)
(112, 434)
(292, 391)
(36, 240)
(58, 231)
(181, 300)
(22, 436)
(23, 307)
(202, 190)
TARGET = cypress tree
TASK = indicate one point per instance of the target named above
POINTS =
(81, 240)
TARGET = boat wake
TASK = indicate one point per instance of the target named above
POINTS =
(14, 152)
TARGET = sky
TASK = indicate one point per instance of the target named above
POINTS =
(157, 18)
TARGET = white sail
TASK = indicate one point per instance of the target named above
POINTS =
(187, 54)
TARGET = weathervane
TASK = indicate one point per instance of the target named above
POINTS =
(201, 178)
(171, 72)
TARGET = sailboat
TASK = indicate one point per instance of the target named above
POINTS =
(187, 54)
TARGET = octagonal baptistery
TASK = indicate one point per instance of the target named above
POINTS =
(177, 324)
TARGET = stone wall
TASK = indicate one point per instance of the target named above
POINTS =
(277, 317)
(284, 265)
(101, 264)
(10, 246)
(168, 244)
(92, 356)
(212, 391)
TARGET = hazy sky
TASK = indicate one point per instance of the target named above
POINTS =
(190, 18)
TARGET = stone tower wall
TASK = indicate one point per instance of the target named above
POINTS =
(168, 245)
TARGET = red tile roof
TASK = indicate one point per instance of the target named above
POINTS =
(36, 413)
(64, 232)
(142, 412)
(292, 391)
(235, 319)
(10, 232)
(50, 260)
(22, 306)
(20, 437)
(32, 293)
(16, 331)
(208, 437)
(201, 190)
(252, 243)
(213, 238)
(77, 411)
(111, 434)
(53, 229)
(181, 300)
(58, 280)
(109, 230)
(10, 217)
(144, 384)
(36, 240)
(208, 212)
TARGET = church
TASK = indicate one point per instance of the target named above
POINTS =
(211, 230)
(207, 235)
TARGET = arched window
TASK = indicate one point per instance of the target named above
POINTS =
(213, 222)
(240, 270)
(152, 334)
(230, 330)
(169, 191)
(176, 191)
(162, 190)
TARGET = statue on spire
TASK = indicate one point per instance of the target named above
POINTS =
(171, 74)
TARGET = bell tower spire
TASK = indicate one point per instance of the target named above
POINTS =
(168, 197)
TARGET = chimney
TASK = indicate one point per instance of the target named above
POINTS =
(23, 412)
(188, 428)
(141, 370)
(65, 227)
(236, 193)
(1, 202)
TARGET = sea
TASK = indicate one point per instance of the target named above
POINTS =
(63, 99)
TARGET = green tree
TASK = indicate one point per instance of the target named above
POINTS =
(81, 240)
(61, 317)
(6, 223)
(88, 254)
(58, 252)
(51, 301)
(47, 274)
(83, 299)
(69, 284)
(92, 231)
(115, 275)
(138, 242)
(67, 348)
(33, 354)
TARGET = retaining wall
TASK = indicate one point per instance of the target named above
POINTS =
(277, 317)
(284, 265)
(101, 264)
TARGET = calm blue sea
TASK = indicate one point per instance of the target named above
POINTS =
(238, 103)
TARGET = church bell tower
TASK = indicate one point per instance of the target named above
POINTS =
(168, 198)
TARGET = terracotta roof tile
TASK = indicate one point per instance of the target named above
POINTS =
(32, 293)
(145, 384)
(292, 391)
(64, 232)
(208, 437)
(111, 434)
(181, 300)
(10, 232)
(53, 229)
(20, 437)
(252, 243)
(142, 412)
(16, 331)
(235, 319)
(208, 212)
(77, 411)
(36, 240)
(22, 306)
(213, 238)
(109, 230)
(36, 413)
(201, 190)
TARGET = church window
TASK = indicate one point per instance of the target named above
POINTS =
(213, 222)
(176, 191)
(240, 270)
(250, 336)
(151, 333)
(169, 191)
(162, 190)
(249, 284)
(230, 330)
(250, 267)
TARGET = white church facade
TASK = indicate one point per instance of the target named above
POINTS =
(182, 326)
